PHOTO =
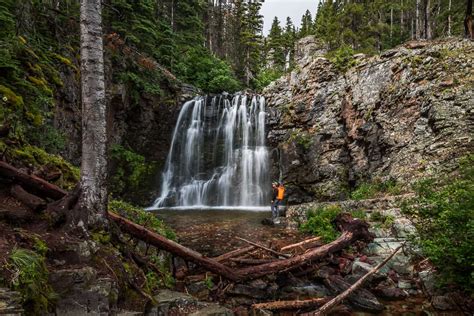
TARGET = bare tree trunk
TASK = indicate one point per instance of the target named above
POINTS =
(417, 20)
(428, 31)
(449, 18)
(391, 25)
(93, 200)
(402, 18)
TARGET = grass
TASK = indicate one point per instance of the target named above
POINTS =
(320, 222)
(370, 190)
(30, 278)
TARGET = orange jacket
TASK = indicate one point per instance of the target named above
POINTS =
(281, 193)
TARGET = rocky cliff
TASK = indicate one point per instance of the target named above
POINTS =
(399, 116)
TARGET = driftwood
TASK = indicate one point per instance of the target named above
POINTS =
(234, 253)
(31, 183)
(352, 230)
(303, 244)
(297, 304)
(326, 308)
(264, 248)
(32, 201)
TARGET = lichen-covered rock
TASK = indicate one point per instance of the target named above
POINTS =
(402, 115)
(81, 291)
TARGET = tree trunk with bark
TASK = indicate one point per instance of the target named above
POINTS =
(93, 199)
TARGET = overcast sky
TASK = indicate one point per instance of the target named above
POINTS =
(283, 8)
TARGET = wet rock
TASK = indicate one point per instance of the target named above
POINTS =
(170, 301)
(444, 303)
(405, 284)
(390, 292)
(10, 302)
(213, 310)
(308, 290)
(361, 298)
(428, 281)
(362, 268)
(245, 290)
(80, 292)
(198, 289)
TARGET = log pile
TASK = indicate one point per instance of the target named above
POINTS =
(248, 263)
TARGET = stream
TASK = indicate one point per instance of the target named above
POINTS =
(213, 232)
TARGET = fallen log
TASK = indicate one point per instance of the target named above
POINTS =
(302, 244)
(264, 248)
(31, 183)
(234, 253)
(326, 308)
(32, 201)
(296, 304)
(161, 242)
(352, 230)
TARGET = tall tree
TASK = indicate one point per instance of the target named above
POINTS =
(93, 196)
(306, 24)
(276, 45)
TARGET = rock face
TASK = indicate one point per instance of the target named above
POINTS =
(401, 115)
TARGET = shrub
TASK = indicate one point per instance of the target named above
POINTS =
(301, 138)
(320, 222)
(443, 212)
(265, 77)
(342, 58)
(369, 190)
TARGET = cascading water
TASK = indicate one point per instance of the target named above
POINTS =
(218, 155)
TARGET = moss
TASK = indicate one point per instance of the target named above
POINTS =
(102, 237)
(302, 138)
(141, 217)
(8, 96)
(37, 157)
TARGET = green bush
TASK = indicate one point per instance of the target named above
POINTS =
(369, 190)
(142, 217)
(342, 58)
(301, 138)
(320, 222)
(30, 278)
(443, 212)
(265, 77)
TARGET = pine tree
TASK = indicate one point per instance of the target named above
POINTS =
(306, 24)
(276, 46)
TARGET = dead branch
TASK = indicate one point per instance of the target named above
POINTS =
(301, 244)
(32, 201)
(264, 248)
(296, 304)
(326, 308)
(234, 253)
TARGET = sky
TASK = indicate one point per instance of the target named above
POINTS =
(283, 8)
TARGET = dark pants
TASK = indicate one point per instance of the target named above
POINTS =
(275, 204)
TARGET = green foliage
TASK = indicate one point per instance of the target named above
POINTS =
(342, 58)
(320, 222)
(208, 282)
(302, 138)
(443, 211)
(386, 221)
(141, 217)
(265, 77)
(369, 190)
(130, 173)
(30, 278)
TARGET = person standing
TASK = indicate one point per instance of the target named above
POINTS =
(278, 194)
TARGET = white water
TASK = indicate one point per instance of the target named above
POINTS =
(218, 157)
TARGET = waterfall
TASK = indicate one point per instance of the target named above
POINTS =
(218, 156)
